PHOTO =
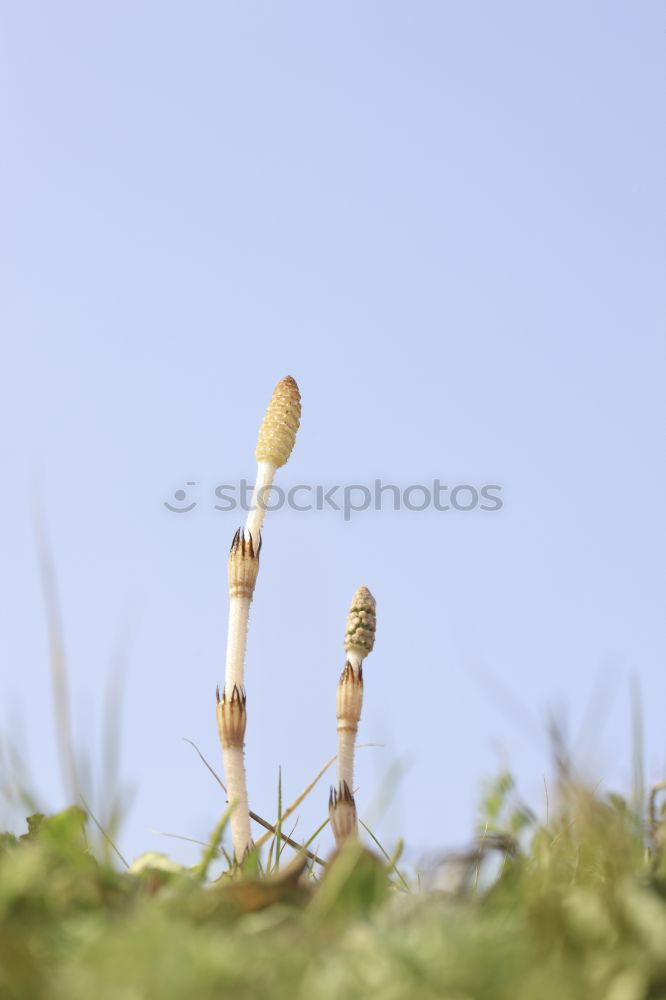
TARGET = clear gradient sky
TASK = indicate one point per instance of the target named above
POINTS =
(446, 221)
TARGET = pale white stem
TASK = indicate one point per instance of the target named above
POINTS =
(234, 678)
(260, 496)
(346, 744)
(234, 769)
(239, 614)
(274, 445)
(231, 708)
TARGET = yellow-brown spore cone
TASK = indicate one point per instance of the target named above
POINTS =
(277, 433)
(361, 623)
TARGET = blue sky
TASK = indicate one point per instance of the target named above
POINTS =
(446, 222)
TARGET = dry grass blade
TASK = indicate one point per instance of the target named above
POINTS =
(296, 803)
(101, 829)
(209, 766)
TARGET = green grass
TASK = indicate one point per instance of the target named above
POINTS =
(573, 908)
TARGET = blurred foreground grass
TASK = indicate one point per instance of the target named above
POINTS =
(574, 910)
